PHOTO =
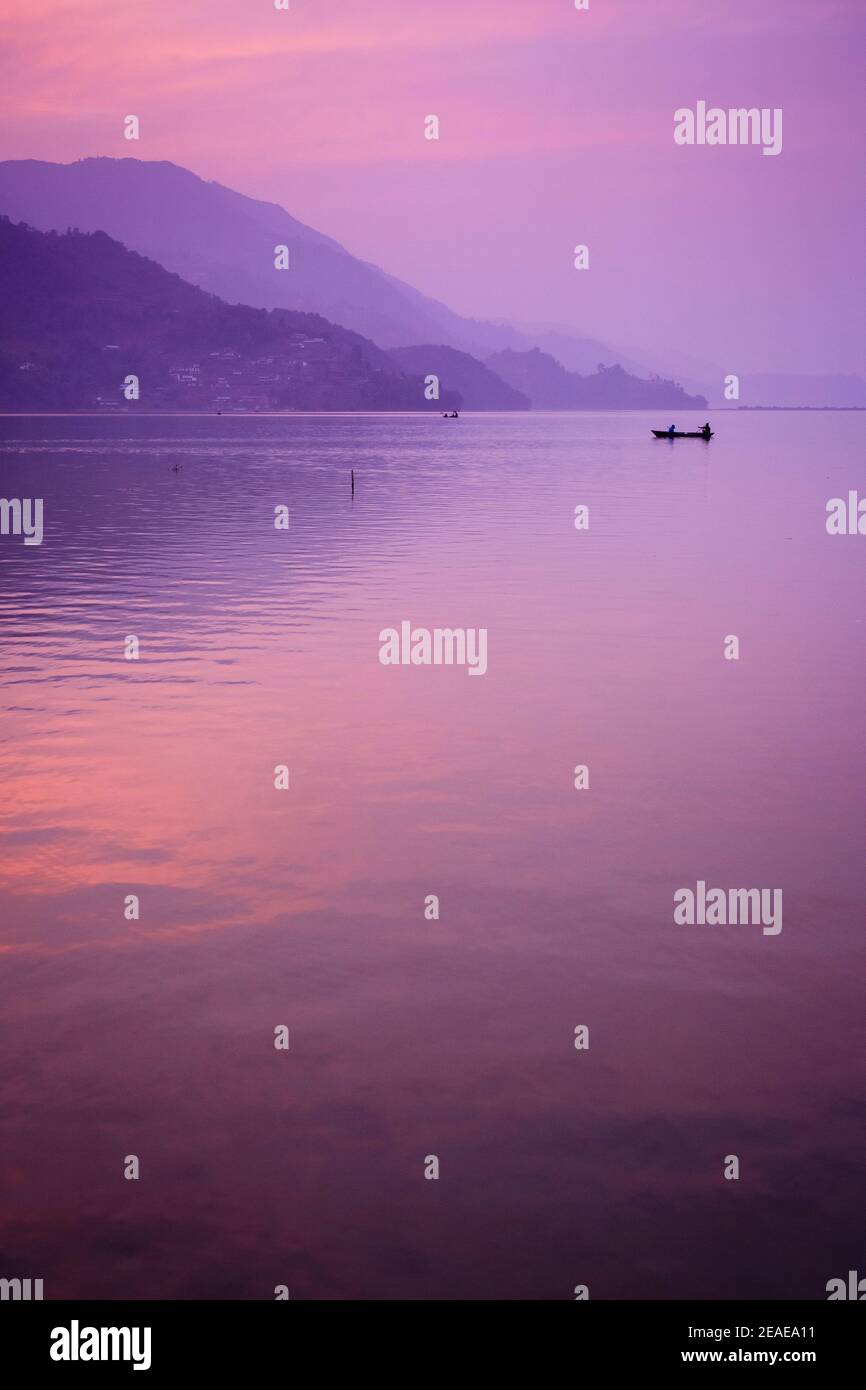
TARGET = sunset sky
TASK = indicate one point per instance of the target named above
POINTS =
(556, 129)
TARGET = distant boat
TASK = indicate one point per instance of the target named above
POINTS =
(682, 434)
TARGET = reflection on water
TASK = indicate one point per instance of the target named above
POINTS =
(412, 1037)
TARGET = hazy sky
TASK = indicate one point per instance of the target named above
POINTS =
(556, 129)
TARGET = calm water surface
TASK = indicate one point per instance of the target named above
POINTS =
(306, 908)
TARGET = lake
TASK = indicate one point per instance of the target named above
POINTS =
(411, 1035)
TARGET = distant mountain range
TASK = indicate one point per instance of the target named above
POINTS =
(534, 379)
(816, 392)
(479, 387)
(551, 387)
(80, 314)
(224, 242)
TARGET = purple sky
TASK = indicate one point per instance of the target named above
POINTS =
(556, 128)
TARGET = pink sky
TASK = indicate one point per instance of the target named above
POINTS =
(556, 128)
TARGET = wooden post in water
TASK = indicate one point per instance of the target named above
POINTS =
(353, 482)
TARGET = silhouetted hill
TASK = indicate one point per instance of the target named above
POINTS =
(539, 376)
(480, 387)
(550, 387)
(79, 313)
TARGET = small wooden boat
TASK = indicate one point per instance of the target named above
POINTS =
(682, 434)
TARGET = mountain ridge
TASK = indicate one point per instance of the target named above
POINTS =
(80, 314)
(223, 241)
(550, 386)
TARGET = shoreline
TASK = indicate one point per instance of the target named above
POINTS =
(400, 414)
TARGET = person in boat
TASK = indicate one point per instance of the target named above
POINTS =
(672, 429)
(706, 431)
